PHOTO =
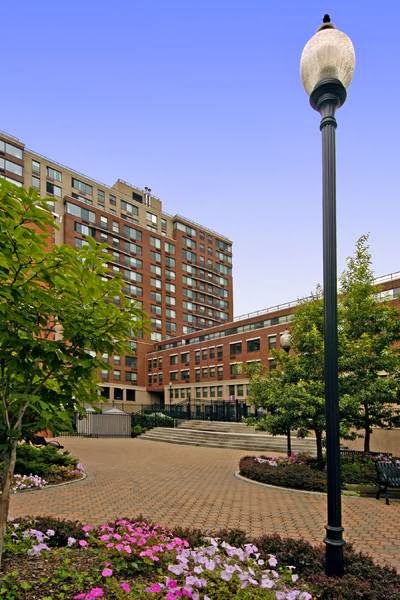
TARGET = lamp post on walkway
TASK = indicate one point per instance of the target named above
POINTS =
(327, 66)
(285, 340)
(170, 398)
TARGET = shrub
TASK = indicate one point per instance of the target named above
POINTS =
(362, 579)
(358, 472)
(39, 460)
(137, 430)
(156, 419)
(297, 476)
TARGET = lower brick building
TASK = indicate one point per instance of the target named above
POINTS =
(195, 371)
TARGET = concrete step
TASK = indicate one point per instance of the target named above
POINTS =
(227, 426)
(244, 441)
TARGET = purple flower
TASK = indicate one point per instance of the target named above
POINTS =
(106, 572)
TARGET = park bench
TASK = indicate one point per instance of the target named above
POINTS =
(38, 441)
(388, 475)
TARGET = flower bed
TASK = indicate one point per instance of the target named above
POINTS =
(290, 472)
(48, 558)
(38, 467)
(304, 472)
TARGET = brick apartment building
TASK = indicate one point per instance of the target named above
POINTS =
(204, 367)
(179, 272)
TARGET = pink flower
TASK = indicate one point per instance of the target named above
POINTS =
(154, 588)
(95, 593)
(171, 583)
(87, 528)
(83, 543)
(125, 587)
(107, 572)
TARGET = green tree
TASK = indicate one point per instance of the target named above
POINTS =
(59, 312)
(370, 361)
(293, 393)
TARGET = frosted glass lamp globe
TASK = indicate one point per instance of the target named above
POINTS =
(329, 54)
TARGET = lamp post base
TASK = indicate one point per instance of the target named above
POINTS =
(334, 565)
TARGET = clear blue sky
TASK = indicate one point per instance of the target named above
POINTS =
(201, 101)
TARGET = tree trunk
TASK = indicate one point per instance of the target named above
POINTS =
(367, 428)
(318, 439)
(289, 443)
(10, 456)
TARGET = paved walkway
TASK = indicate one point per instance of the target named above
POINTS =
(194, 486)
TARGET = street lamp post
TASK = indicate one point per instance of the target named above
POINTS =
(285, 341)
(327, 67)
(170, 398)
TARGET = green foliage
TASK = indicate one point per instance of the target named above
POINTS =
(363, 579)
(369, 365)
(358, 472)
(43, 292)
(63, 529)
(58, 315)
(64, 572)
(369, 362)
(39, 461)
(148, 420)
(137, 430)
(296, 476)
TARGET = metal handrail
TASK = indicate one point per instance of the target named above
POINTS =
(264, 311)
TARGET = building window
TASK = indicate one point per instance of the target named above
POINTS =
(118, 394)
(55, 190)
(169, 248)
(185, 375)
(204, 372)
(155, 269)
(131, 361)
(173, 375)
(130, 395)
(132, 233)
(219, 391)
(253, 345)
(204, 354)
(10, 149)
(83, 187)
(8, 165)
(155, 242)
(83, 213)
(35, 166)
(53, 174)
(84, 229)
(129, 208)
(185, 358)
(235, 348)
(152, 219)
(271, 342)
(155, 309)
(113, 200)
(105, 392)
(35, 182)
(234, 369)
(173, 359)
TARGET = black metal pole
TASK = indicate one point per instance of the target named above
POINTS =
(327, 96)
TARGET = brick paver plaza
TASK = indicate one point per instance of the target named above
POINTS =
(194, 486)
